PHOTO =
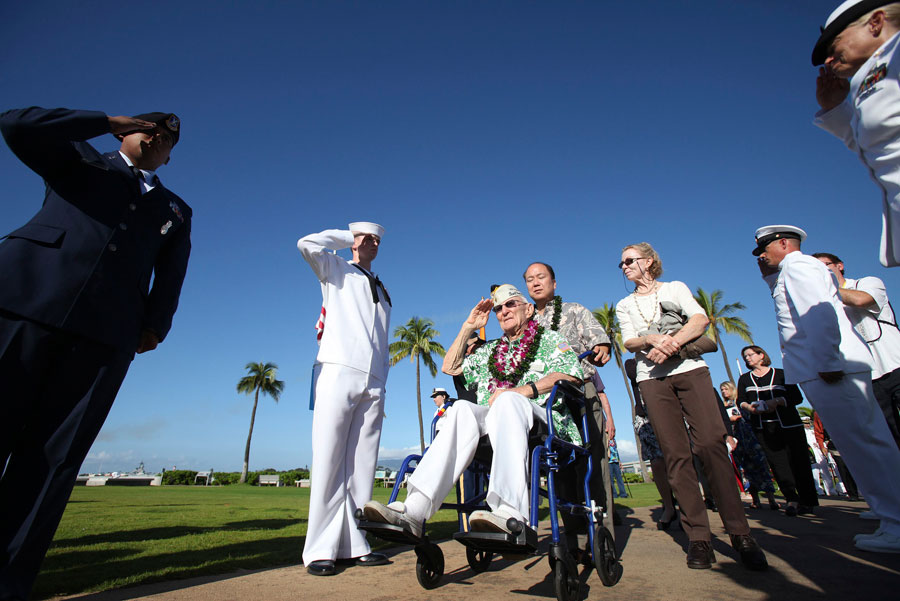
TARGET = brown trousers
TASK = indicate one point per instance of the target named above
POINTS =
(690, 396)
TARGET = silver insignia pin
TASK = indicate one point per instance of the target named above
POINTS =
(165, 228)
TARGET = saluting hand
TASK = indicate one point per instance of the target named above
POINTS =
(123, 125)
(478, 318)
(830, 89)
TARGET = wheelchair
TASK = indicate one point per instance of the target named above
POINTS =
(551, 458)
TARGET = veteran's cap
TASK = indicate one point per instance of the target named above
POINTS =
(769, 233)
(169, 121)
(367, 227)
(504, 292)
(838, 20)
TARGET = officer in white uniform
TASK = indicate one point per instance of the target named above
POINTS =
(867, 305)
(858, 92)
(349, 378)
(831, 363)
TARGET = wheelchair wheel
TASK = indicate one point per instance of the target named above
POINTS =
(608, 567)
(479, 561)
(430, 567)
(565, 583)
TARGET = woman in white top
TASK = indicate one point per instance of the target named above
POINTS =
(676, 389)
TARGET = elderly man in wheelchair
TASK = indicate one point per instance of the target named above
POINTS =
(514, 375)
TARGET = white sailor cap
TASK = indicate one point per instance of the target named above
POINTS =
(367, 227)
(504, 292)
(438, 391)
(768, 233)
(838, 20)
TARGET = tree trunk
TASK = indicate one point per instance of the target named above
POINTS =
(249, 436)
(724, 354)
(419, 406)
(637, 439)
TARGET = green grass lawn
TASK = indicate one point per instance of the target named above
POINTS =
(112, 537)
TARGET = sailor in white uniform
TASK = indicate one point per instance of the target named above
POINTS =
(858, 90)
(349, 378)
(824, 355)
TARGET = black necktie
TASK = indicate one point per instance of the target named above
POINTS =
(374, 285)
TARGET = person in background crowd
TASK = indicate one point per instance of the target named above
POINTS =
(826, 445)
(821, 470)
(615, 471)
(749, 453)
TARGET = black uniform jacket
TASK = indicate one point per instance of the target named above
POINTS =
(84, 263)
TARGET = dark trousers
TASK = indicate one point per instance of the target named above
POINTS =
(787, 454)
(57, 391)
(887, 393)
(690, 396)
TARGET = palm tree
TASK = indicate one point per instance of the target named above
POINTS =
(416, 340)
(260, 378)
(606, 315)
(722, 316)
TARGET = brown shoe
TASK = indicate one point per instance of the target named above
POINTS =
(700, 555)
(752, 555)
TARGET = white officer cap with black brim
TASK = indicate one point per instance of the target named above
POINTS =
(438, 391)
(770, 233)
(843, 15)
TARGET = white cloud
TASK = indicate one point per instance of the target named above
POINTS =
(627, 450)
(384, 453)
(145, 430)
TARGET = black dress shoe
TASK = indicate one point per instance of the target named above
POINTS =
(700, 555)
(805, 510)
(790, 511)
(372, 559)
(752, 556)
(323, 567)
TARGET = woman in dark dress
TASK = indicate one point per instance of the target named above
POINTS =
(749, 453)
(772, 406)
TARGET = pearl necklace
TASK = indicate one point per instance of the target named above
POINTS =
(650, 321)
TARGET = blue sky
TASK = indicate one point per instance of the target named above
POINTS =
(483, 135)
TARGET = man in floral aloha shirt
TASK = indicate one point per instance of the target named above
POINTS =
(515, 375)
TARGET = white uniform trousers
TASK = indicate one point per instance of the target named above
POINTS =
(857, 426)
(346, 433)
(507, 423)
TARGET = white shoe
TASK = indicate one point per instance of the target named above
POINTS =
(883, 543)
(489, 521)
(864, 535)
(869, 515)
(394, 514)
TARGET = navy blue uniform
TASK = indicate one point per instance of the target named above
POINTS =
(75, 297)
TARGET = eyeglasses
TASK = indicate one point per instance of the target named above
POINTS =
(627, 262)
(827, 263)
(510, 304)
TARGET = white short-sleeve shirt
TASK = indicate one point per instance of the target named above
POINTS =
(636, 313)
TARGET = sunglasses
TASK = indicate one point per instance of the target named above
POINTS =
(510, 304)
(627, 262)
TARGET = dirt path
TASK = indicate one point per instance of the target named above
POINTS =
(809, 558)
